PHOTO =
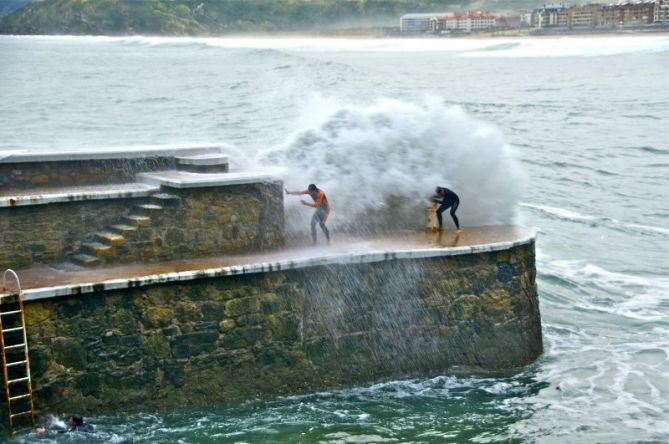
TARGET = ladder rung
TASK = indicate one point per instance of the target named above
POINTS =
(28, 412)
(14, 381)
(27, 395)
(10, 347)
(5, 313)
(9, 330)
(24, 429)
(12, 364)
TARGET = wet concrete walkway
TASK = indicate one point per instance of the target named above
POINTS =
(52, 281)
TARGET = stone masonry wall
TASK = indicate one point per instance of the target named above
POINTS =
(44, 234)
(206, 221)
(231, 338)
(26, 175)
(209, 221)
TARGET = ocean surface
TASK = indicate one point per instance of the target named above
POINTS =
(567, 135)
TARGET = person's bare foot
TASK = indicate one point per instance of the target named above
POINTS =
(458, 231)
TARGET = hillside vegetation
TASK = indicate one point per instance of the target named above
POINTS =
(212, 17)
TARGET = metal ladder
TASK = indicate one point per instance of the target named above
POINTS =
(15, 360)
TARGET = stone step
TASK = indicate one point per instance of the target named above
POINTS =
(147, 209)
(203, 163)
(110, 238)
(98, 249)
(85, 260)
(123, 229)
(134, 219)
(165, 199)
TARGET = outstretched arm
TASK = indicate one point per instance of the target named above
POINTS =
(296, 192)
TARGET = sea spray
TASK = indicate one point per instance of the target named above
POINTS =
(380, 163)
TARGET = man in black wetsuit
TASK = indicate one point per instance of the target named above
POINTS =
(447, 198)
(75, 423)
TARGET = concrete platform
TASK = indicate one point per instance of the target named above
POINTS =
(99, 153)
(49, 282)
(185, 179)
(41, 196)
(203, 160)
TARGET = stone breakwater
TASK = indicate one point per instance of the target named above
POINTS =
(231, 337)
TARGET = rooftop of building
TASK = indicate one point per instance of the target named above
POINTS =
(419, 15)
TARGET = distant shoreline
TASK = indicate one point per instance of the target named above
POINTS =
(375, 35)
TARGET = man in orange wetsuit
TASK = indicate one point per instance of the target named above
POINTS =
(322, 209)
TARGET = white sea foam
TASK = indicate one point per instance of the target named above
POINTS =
(472, 48)
(573, 216)
(637, 297)
(652, 229)
(617, 382)
(561, 213)
(574, 47)
(387, 157)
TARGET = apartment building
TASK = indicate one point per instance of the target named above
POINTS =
(420, 22)
(587, 16)
(624, 13)
(464, 22)
(548, 15)
(661, 13)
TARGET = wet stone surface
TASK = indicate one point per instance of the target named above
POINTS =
(285, 332)
(296, 249)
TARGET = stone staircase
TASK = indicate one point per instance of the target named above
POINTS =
(103, 247)
(108, 244)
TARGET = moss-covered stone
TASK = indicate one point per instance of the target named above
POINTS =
(37, 314)
(154, 317)
(284, 328)
(69, 353)
(188, 311)
(496, 303)
(212, 311)
(191, 344)
(38, 362)
(156, 346)
(226, 325)
(465, 307)
(242, 306)
(282, 332)
(241, 337)
(89, 384)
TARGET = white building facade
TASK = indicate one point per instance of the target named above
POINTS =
(468, 22)
(418, 22)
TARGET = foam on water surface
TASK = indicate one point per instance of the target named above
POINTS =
(472, 48)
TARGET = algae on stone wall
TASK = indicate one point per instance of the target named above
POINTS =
(283, 332)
